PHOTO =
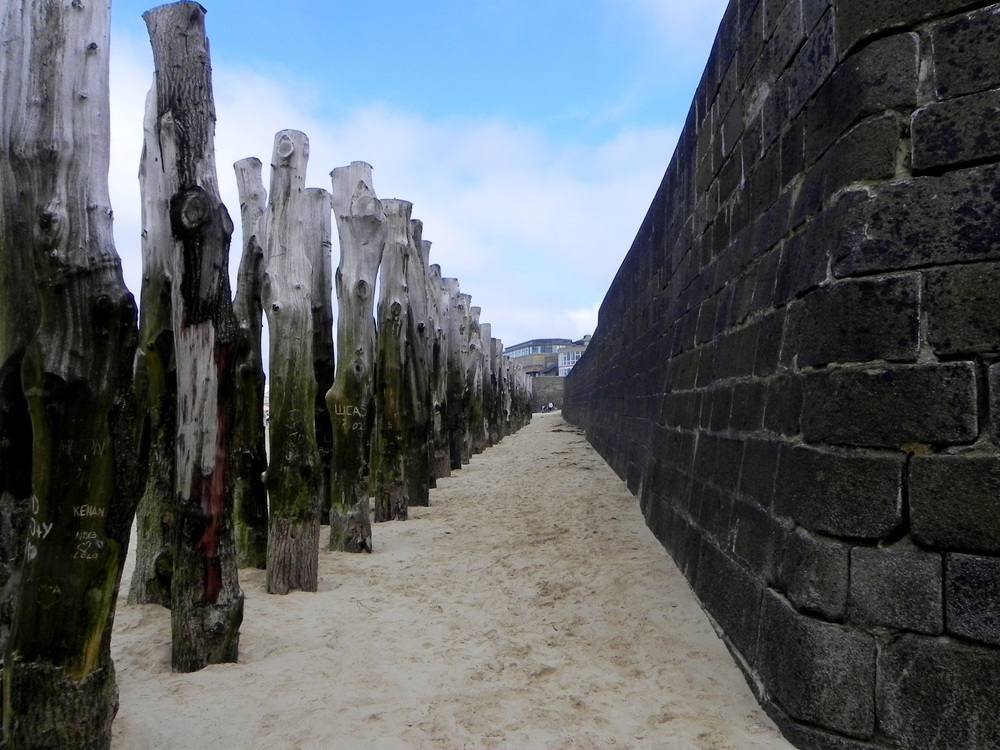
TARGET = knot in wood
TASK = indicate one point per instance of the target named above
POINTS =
(48, 221)
(285, 147)
(363, 289)
(190, 210)
(92, 47)
(51, 224)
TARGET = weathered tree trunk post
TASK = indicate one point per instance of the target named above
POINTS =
(520, 399)
(439, 304)
(504, 405)
(319, 247)
(18, 321)
(457, 382)
(463, 370)
(249, 434)
(417, 421)
(58, 679)
(156, 384)
(206, 600)
(293, 474)
(388, 452)
(361, 228)
(476, 437)
(486, 339)
(496, 411)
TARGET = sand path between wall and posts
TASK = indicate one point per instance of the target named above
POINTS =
(527, 607)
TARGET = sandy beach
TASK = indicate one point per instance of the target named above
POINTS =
(527, 607)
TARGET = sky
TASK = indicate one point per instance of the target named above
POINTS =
(530, 135)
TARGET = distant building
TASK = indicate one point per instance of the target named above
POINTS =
(547, 357)
(538, 365)
(570, 355)
(536, 346)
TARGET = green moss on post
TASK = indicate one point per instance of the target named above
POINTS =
(388, 452)
(192, 229)
(75, 375)
(249, 460)
(361, 228)
(293, 477)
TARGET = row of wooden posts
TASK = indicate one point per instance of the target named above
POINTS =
(101, 405)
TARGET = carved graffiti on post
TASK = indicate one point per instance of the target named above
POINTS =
(361, 229)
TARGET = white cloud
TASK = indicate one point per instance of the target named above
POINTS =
(533, 229)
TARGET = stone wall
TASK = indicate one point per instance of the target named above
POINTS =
(796, 367)
(545, 390)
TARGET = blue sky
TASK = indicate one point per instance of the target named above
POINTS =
(530, 135)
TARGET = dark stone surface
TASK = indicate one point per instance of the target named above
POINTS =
(939, 694)
(965, 53)
(956, 131)
(858, 321)
(784, 405)
(807, 253)
(811, 738)
(714, 513)
(717, 461)
(867, 152)
(765, 277)
(880, 77)
(897, 588)
(748, 406)
(962, 305)
(972, 593)
(783, 21)
(891, 406)
(923, 221)
(813, 11)
(955, 502)
(791, 366)
(994, 386)
(771, 329)
(732, 596)
(859, 19)
(811, 66)
(814, 574)
(760, 465)
(818, 672)
(755, 534)
(853, 496)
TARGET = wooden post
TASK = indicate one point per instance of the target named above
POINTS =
(318, 244)
(439, 304)
(457, 383)
(504, 407)
(249, 434)
(463, 368)
(156, 386)
(496, 410)
(293, 474)
(206, 600)
(486, 339)
(18, 321)
(388, 451)
(417, 421)
(476, 365)
(361, 228)
(78, 352)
